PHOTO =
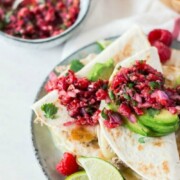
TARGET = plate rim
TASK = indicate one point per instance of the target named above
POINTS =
(34, 143)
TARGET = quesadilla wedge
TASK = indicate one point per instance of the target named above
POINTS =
(78, 138)
(131, 42)
(152, 158)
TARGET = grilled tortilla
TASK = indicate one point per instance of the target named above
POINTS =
(155, 159)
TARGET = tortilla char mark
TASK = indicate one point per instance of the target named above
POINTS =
(147, 168)
(82, 134)
(165, 167)
(152, 170)
(140, 147)
(125, 52)
(158, 143)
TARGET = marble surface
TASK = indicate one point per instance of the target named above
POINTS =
(22, 72)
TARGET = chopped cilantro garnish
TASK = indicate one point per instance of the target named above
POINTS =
(141, 61)
(118, 102)
(154, 85)
(113, 107)
(152, 112)
(63, 26)
(111, 95)
(134, 103)
(104, 115)
(7, 17)
(119, 67)
(126, 96)
(76, 65)
(90, 110)
(1, 25)
(105, 86)
(130, 85)
(50, 110)
(141, 140)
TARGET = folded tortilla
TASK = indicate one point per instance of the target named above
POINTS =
(174, 59)
(131, 42)
(69, 137)
(157, 158)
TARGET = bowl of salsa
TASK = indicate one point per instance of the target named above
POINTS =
(41, 23)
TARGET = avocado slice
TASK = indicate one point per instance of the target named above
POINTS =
(101, 70)
(157, 127)
(76, 65)
(164, 117)
(137, 127)
(113, 107)
(156, 134)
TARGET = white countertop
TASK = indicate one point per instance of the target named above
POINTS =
(22, 72)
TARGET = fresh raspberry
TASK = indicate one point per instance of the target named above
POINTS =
(161, 35)
(163, 51)
(67, 165)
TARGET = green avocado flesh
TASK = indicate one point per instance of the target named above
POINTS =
(101, 70)
(159, 128)
(160, 125)
(137, 128)
(113, 107)
(164, 117)
(76, 65)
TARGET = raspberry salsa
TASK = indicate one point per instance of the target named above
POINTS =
(80, 96)
(140, 91)
(37, 19)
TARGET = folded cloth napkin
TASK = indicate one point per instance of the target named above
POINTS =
(148, 14)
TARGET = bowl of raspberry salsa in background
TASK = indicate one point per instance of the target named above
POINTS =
(41, 23)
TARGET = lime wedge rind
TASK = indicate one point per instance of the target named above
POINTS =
(98, 169)
(80, 175)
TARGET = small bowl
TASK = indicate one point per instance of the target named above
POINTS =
(55, 40)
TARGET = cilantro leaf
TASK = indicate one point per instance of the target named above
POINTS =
(141, 140)
(62, 26)
(154, 84)
(111, 95)
(50, 110)
(105, 86)
(126, 96)
(152, 112)
(104, 115)
(76, 65)
(131, 84)
(2, 25)
(7, 17)
(134, 103)
(90, 110)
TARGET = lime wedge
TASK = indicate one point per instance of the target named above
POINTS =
(103, 44)
(81, 175)
(98, 169)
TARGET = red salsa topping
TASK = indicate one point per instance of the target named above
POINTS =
(112, 119)
(80, 96)
(138, 88)
(36, 19)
